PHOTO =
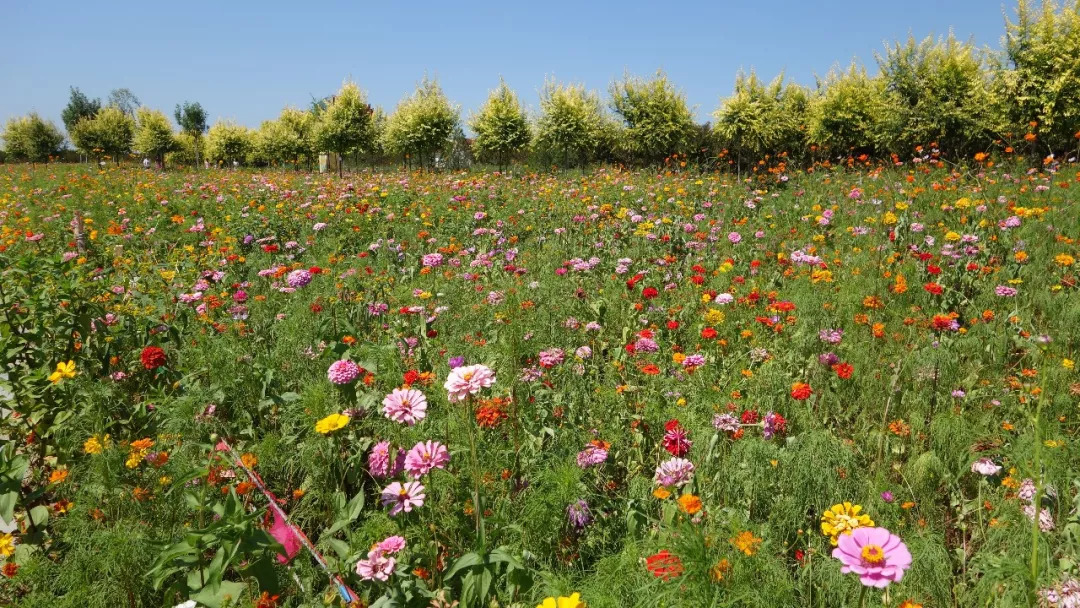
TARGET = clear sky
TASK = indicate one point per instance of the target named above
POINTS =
(246, 60)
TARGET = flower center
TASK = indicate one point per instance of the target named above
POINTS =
(467, 376)
(873, 555)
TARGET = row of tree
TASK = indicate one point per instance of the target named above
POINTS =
(944, 93)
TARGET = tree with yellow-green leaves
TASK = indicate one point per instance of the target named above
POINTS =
(228, 142)
(154, 135)
(289, 139)
(422, 124)
(657, 120)
(345, 124)
(31, 138)
(500, 126)
(110, 132)
(572, 128)
(761, 118)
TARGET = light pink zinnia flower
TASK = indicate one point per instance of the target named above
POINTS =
(343, 371)
(468, 380)
(407, 406)
(378, 566)
(424, 457)
(985, 466)
(878, 556)
(675, 472)
(403, 496)
(391, 544)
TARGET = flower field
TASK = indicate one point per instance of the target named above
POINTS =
(841, 386)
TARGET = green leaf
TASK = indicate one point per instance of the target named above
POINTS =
(465, 561)
(7, 506)
(39, 515)
(339, 546)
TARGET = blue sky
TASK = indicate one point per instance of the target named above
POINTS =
(246, 60)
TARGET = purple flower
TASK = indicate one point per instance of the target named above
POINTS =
(1005, 291)
(456, 362)
(578, 514)
(887, 496)
(828, 359)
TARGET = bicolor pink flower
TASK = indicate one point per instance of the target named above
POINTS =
(377, 567)
(676, 472)
(403, 497)
(468, 380)
(878, 556)
(424, 457)
(407, 406)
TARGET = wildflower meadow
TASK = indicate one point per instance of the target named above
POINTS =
(839, 386)
(819, 351)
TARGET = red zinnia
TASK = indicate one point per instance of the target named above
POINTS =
(152, 357)
(933, 288)
(664, 565)
(801, 391)
(649, 293)
(708, 333)
(844, 370)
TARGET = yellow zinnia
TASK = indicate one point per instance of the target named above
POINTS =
(7, 545)
(843, 519)
(63, 370)
(574, 601)
(331, 423)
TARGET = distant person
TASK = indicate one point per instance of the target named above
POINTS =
(145, 163)
(235, 164)
(206, 164)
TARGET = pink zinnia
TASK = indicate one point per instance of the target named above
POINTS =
(675, 472)
(407, 406)
(878, 556)
(551, 357)
(379, 460)
(391, 544)
(343, 371)
(424, 457)
(378, 566)
(468, 380)
(402, 497)
(298, 278)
